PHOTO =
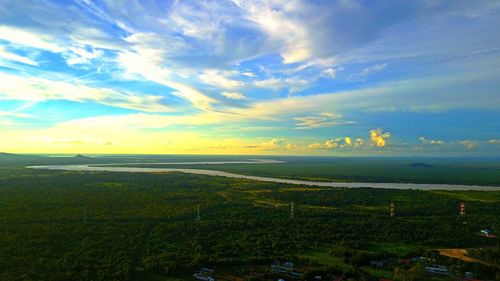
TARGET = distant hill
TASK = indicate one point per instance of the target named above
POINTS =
(80, 156)
(420, 165)
(27, 160)
(5, 155)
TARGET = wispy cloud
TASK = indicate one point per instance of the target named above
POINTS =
(321, 120)
(198, 65)
(234, 95)
(4, 54)
(36, 89)
(221, 79)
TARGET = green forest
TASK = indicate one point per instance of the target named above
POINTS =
(60, 225)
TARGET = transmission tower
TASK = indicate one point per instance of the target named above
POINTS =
(391, 213)
(462, 209)
(198, 216)
(292, 212)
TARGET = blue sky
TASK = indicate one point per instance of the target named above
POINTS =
(251, 77)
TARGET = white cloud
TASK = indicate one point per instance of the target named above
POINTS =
(234, 95)
(469, 144)
(81, 55)
(379, 137)
(29, 38)
(373, 69)
(345, 143)
(14, 114)
(367, 71)
(147, 67)
(427, 141)
(221, 79)
(4, 54)
(330, 73)
(37, 89)
(316, 145)
(271, 83)
(320, 120)
(273, 144)
(294, 84)
(279, 20)
(411, 95)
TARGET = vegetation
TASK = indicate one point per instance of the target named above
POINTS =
(58, 225)
(449, 171)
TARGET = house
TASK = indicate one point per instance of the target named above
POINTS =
(204, 274)
(404, 261)
(286, 267)
(437, 269)
(488, 233)
(199, 276)
(378, 263)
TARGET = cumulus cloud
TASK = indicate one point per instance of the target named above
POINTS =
(379, 137)
(469, 144)
(346, 142)
(423, 140)
(274, 144)
(316, 145)
(330, 73)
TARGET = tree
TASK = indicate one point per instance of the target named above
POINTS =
(415, 273)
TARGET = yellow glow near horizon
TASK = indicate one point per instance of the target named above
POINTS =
(121, 141)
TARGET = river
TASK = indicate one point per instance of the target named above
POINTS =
(108, 168)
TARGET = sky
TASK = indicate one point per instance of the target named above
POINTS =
(277, 77)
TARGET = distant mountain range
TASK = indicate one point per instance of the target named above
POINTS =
(420, 165)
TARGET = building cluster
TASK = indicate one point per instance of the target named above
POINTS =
(285, 269)
(205, 274)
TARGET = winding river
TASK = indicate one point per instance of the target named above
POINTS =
(114, 167)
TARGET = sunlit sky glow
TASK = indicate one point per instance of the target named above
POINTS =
(343, 77)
